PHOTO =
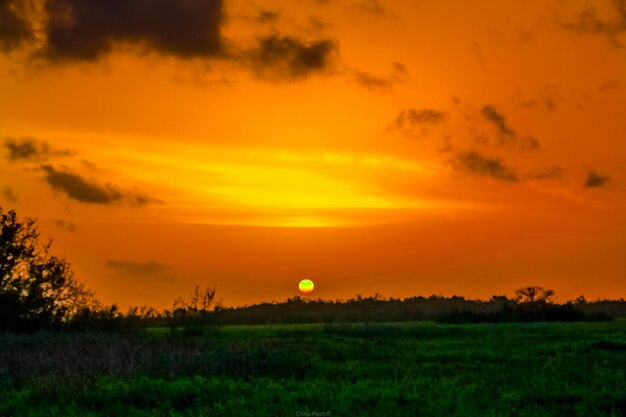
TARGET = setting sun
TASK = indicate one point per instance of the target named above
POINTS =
(306, 286)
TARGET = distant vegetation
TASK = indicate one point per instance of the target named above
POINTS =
(455, 309)
(39, 292)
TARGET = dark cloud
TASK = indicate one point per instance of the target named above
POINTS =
(30, 149)
(25, 149)
(414, 117)
(595, 180)
(86, 191)
(65, 225)
(8, 194)
(588, 21)
(290, 57)
(87, 29)
(472, 162)
(15, 29)
(79, 189)
(491, 114)
(134, 268)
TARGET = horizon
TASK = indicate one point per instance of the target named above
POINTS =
(399, 147)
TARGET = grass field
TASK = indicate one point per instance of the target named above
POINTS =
(408, 369)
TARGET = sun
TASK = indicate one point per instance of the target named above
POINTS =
(306, 286)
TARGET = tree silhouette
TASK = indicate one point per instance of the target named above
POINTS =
(195, 313)
(534, 295)
(37, 289)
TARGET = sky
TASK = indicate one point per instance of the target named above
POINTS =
(401, 147)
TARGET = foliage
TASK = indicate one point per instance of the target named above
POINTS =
(194, 314)
(534, 295)
(384, 369)
(453, 309)
(37, 289)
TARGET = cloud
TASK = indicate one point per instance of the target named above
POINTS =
(372, 82)
(79, 189)
(398, 75)
(143, 273)
(400, 70)
(595, 180)
(507, 136)
(87, 29)
(138, 268)
(369, 6)
(25, 149)
(65, 225)
(491, 114)
(267, 16)
(547, 102)
(8, 194)
(472, 162)
(414, 117)
(30, 149)
(547, 173)
(529, 143)
(589, 22)
(545, 98)
(278, 56)
(15, 29)
(610, 84)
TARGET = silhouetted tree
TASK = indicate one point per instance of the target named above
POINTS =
(37, 289)
(195, 312)
(534, 294)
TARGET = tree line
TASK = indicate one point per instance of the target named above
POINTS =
(38, 291)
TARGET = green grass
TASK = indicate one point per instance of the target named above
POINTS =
(407, 369)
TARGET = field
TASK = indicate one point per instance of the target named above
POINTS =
(407, 369)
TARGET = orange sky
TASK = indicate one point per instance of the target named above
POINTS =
(401, 147)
